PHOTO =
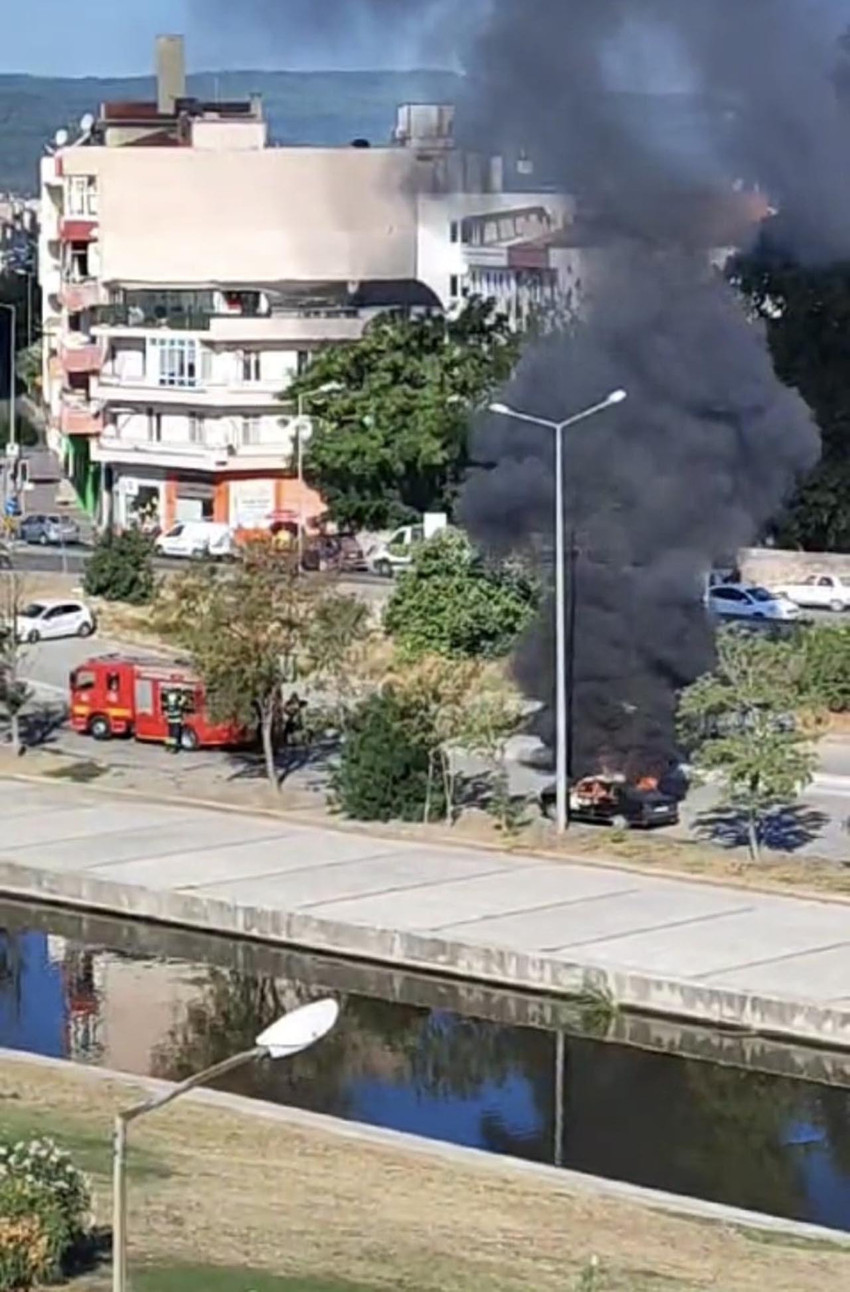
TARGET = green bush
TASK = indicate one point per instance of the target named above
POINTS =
(385, 771)
(825, 674)
(453, 603)
(44, 1212)
(121, 568)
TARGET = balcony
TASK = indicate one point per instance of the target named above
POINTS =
(110, 318)
(78, 228)
(86, 294)
(78, 416)
(82, 358)
(213, 453)
(111, 388)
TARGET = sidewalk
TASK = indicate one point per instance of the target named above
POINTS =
(772, 964)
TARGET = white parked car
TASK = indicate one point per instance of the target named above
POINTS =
(396, 553)
(43, 620)
(740, 601)
(193, 539)
(819, 592)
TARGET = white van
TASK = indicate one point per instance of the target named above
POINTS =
(194, 539)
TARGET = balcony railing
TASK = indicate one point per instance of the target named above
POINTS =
(109, 316)
(84, 295)
(84, 358)
(265, 443)
(78, 416)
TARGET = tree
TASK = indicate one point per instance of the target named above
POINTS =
(391, 443)
(806, 311)
(461, 706)
(454, 603)
(14, 692)
(740, 721)
(121, 568)
(385, 771)
(257, 628)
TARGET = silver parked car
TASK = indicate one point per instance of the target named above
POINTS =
(52, 530)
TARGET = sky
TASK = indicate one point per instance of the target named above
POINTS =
(115, 38)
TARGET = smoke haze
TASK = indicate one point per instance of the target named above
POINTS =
(710, 444)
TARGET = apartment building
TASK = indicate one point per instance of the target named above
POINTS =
(190, 270)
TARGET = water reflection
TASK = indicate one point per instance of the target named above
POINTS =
(724, 1133)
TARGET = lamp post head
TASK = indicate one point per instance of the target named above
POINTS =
(299, 1029)
(501, 409)
(617, 397)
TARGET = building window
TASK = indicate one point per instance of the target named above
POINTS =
(454, 231)
(251, 366)
(196, 428)
(302, 361)
(82, 197)
(250, 430)
(454, 286)
(176, 361)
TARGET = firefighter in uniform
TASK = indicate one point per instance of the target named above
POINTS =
(174, 707)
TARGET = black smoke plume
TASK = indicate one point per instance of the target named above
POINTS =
(709, 444)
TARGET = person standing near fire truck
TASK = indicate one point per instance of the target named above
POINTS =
(174, 709)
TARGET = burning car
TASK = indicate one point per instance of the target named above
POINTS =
(613, 800)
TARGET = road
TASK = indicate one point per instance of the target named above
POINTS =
(817, 828)
(73, 560)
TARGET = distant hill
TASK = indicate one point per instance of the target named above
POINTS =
(302, 107)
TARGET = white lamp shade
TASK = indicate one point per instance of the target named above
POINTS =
(299, 1029)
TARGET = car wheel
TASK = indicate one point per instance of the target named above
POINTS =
(85, 629)
(100, 727)
(189, 739)
(837, 607)
(383, 569)
(43, 540)
(619, 822)
(33, 636)
(758, 615)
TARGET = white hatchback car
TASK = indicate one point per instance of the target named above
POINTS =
(43, 620)
(740, 601)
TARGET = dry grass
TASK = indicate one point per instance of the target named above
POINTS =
(244, 1190)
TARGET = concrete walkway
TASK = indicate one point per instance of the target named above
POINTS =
(780, 965)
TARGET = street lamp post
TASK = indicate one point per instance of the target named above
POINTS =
(287, 1036)
(329, 388)
(13, 326)
(564, 631)
(12, 446)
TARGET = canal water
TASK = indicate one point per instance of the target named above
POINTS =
(673, 1107)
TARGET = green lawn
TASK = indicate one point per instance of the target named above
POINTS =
(218, 1278)
(90, 1149)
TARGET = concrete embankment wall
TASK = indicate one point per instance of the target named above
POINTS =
(773, 566)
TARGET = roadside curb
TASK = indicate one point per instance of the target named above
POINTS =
(304, 817)
(632, 990)
(449, 1155)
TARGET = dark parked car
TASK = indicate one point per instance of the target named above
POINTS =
(50, 530)
(612, 800)
(340, 553)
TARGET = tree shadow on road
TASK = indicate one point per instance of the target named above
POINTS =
(249, 765)
(784, 830)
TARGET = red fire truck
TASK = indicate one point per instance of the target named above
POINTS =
(123, 695)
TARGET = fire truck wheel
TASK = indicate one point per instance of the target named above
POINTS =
(188, 739)
(619, 823)
(100, 727)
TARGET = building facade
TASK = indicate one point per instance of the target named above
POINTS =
(190, 271)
